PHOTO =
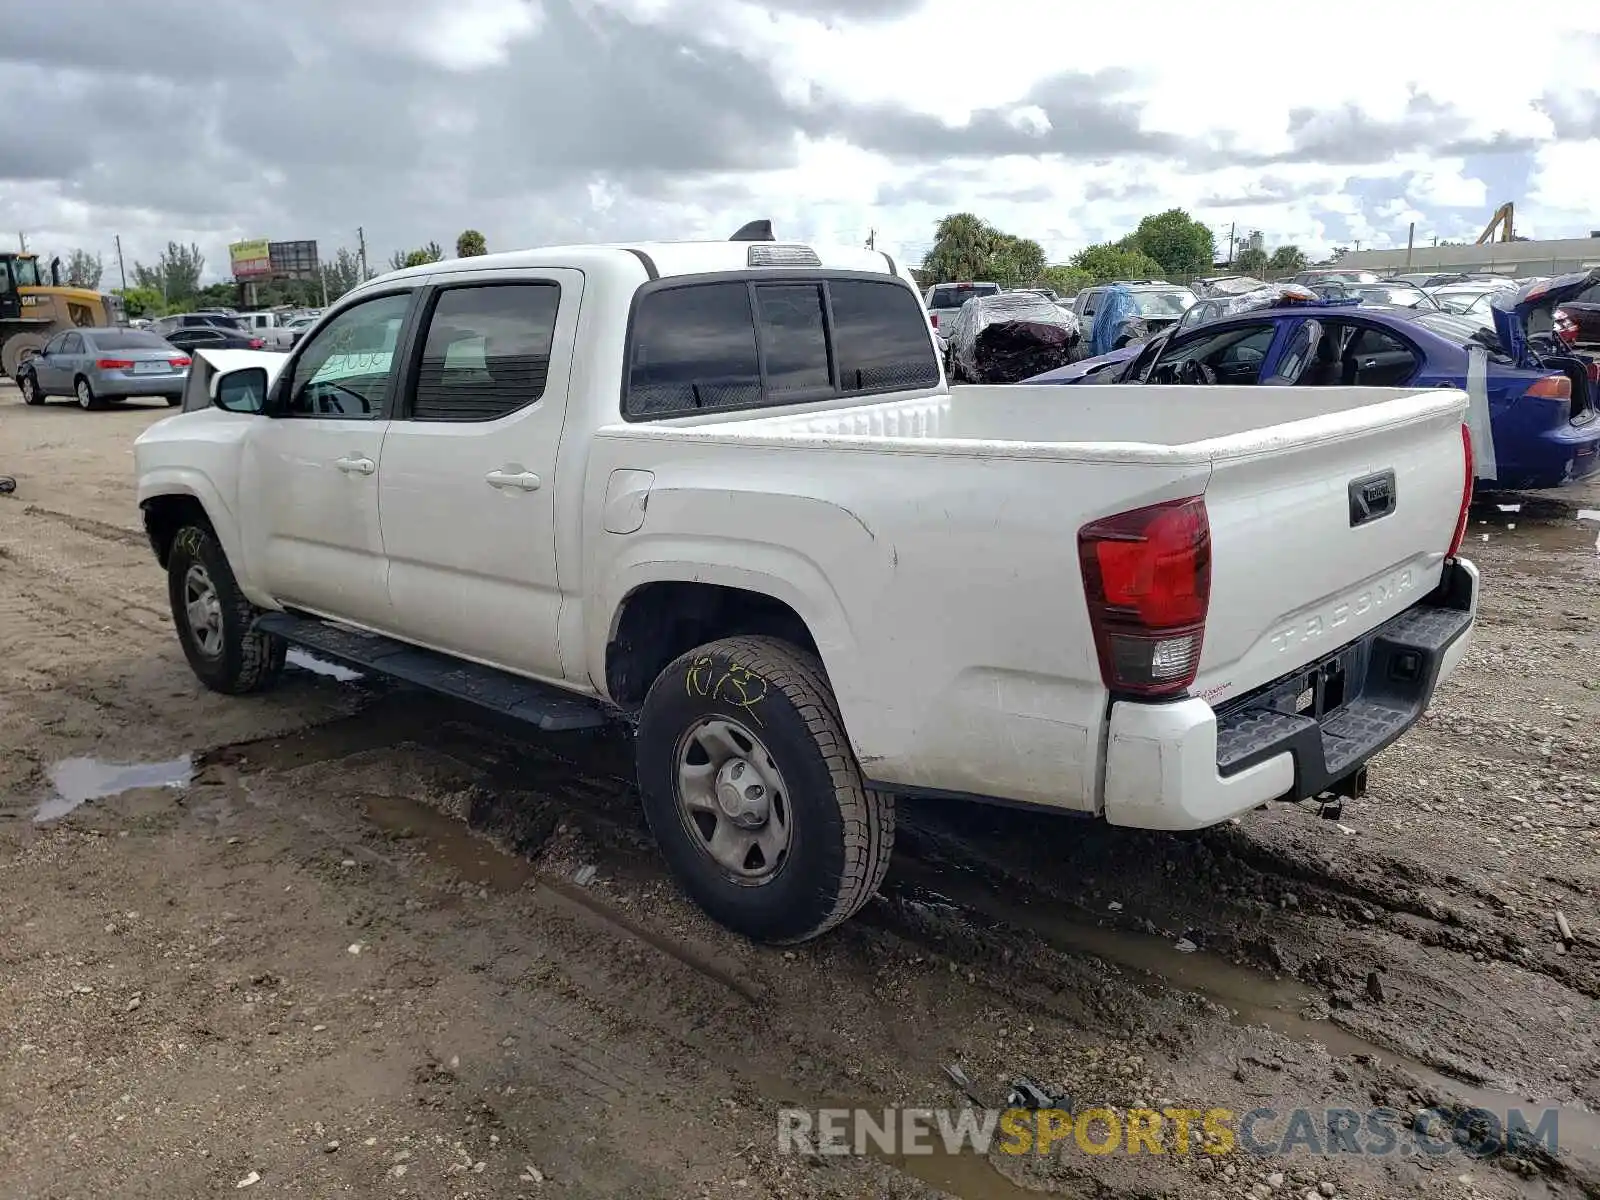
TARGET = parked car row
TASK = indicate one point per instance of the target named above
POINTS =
(98, 366)
(1542, 395)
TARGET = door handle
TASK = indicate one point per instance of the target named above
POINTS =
(355, 466)
(527, 481)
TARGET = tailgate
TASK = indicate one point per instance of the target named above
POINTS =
(1317, 542)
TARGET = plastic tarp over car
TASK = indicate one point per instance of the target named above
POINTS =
(1117, 310)
(1006, 338)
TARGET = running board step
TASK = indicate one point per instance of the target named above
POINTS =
(538, 704)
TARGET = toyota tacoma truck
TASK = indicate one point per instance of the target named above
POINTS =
(722, 492)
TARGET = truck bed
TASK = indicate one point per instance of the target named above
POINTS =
(947, 527)
(1104, 423)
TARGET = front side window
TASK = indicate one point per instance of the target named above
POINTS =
(487, 351)
(73, 344)
(1232, 355)
(346, 368)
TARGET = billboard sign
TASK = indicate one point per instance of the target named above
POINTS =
(250, 260)
(293, 260)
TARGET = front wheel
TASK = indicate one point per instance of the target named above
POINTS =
(753, 794)
(29, 385)
(214, 620)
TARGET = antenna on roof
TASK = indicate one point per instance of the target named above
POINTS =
(754, 231)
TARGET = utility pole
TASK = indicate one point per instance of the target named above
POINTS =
(121, 270)
(1233, 227)
(361, 238)
(1411, 238)
(22, 238)
(872, 239)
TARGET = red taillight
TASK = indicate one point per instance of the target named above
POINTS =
(1147, 577)
(1594, 370)
(180, 362)
(933, 318)
(1565, 327)
(256, 343)
(1466, 493)
(114, 364)
(1551, 387)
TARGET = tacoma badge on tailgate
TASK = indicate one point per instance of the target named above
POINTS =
(1371, 497)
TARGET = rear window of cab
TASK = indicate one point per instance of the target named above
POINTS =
(735, 343)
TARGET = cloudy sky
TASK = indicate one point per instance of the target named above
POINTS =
(543, 121)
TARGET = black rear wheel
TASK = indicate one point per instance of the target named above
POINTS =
(753, 793)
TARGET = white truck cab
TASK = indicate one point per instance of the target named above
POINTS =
(721, 491)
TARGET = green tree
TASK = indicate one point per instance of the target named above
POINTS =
(421, 256)
(1288, 258)
(966, 247)
(1066, 281)
(1109, 261)
(470, 244)
(142, 301)
(84, 269)
(1182, 245)
(342, 273)
(176, 274)
(1251, 261)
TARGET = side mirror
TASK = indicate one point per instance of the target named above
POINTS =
(241, 391)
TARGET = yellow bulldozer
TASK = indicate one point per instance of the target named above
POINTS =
(35, 306)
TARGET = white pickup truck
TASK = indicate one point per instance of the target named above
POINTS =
(722, 491)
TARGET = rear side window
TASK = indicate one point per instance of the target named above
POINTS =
(880, 338)
(748, 343)
(487, 351)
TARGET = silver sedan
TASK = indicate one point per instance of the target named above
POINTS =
(98, 366)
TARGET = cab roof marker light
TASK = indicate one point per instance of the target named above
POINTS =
(769, 254)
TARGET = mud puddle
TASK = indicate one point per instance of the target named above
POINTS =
(448, 842)
(1540, 525)
(75, 782)
(1249, 997)
(299, 658)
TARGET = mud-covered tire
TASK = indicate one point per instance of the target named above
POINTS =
(840, 833)
(243, 660)
(28, 382)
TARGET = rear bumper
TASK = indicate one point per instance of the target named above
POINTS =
(1551, 458)
(1186, 766)
(119, 383)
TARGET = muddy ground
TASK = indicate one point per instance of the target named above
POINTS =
(344, 939)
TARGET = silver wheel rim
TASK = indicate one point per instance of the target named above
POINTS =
(84, 395)
(732, 799)
(202, 609)
(27, 389)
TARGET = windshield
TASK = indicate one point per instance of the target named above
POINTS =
(955, 296)
(1162, 304)
(27, 272)
(125, 339)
